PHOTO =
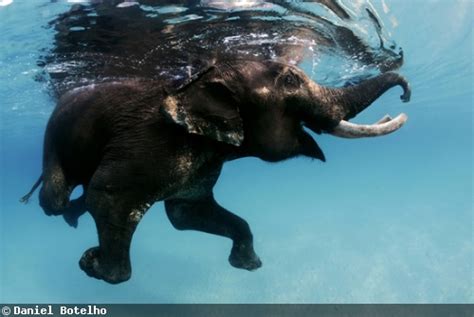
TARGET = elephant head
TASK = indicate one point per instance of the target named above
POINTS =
(260, 108)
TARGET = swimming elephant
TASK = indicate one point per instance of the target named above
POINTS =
(132, 143)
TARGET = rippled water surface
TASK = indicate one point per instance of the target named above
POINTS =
(383, 220)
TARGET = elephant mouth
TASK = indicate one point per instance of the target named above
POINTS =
(384, 126)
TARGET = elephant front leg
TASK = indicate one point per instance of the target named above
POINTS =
(116, 222)
(205, 214)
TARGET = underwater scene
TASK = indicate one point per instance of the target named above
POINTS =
(345, 128)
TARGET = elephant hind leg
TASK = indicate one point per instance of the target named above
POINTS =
(205, 214)
(54, 196)
(116, 215)
(55, 192)
(77, 207)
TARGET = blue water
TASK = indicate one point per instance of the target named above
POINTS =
(386, 220)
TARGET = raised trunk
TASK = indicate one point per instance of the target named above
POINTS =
(355, 99)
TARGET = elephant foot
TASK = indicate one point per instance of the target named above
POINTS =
(244, 257)
(71, 219)
(91, 263)
(75, 210)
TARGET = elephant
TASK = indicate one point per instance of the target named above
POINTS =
(131, 143)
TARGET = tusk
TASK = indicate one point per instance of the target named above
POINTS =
(384, 126)
(385, 118)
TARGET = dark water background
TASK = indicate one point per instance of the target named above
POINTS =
(384, 220)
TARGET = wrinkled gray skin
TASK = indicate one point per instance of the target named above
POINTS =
(132, 143)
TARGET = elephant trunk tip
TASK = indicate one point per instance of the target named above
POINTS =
(396, 79)
(405, 97)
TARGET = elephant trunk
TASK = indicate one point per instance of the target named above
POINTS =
(345, 103)
(355, 99)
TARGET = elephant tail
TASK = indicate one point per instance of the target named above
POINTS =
(25, 198)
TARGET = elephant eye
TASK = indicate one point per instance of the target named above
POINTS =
(291, 80)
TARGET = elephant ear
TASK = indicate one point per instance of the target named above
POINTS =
(207, 108)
